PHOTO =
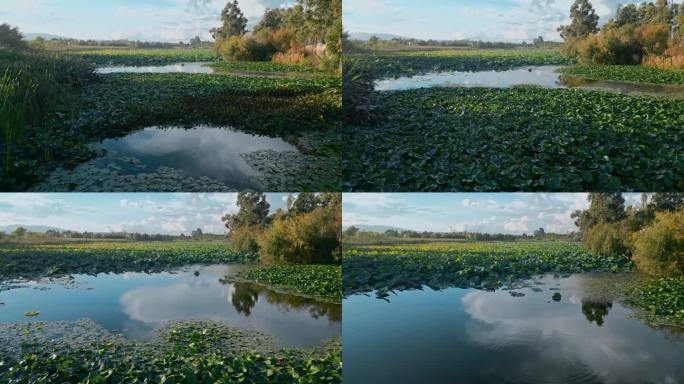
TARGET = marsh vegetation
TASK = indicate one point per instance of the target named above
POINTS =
(470, 118)
(60, 98)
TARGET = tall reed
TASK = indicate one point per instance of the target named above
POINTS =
(30, 87)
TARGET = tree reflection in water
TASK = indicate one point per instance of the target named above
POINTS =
(246, 295)
(595, 311)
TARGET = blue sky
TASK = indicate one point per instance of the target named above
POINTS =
(171, 213)
(489, 20)
(514, 213)
(147, 20)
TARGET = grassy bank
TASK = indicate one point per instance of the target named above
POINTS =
(319, 281)
(520, 139)
(628, 73)
(190, 353)
(28, 261)
(475, 265)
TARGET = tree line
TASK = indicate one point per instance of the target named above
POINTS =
(652, 234)
(375, 43)
(649, 33)
(353, 233)
(306, 231)
(308, 33)
(21, 234)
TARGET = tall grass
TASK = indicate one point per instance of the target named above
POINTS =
(31, 85)
(672, 59)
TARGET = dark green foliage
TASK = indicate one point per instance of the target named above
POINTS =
(628, 73)
(31, 86)
(584, 21)
(604, 208)
(357, 102)
(10, 37)
(670, 202)
(320, 281)
(193, 358)
(520, 139)
(234, 22)
(253, 210)
(663, 297)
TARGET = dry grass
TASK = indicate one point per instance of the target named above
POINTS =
(673, 58)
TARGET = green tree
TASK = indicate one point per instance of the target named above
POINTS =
(272, 19)
(603, 208)
(667, 201)
(539, 233)
(351, 231)
(628, 14)
(10, 37)
(373, 41)
(584, 21)
(305, 202)
(538, 41)
(253, 209)
(234, 22)
(19, 232)
(196, 234)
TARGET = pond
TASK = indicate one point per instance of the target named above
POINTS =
(560, 331)
(136, 305)
(198, 67)
(547, 76)
(213, 152)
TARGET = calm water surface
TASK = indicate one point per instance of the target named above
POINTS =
(547, 76)
(137, 304)
(172, 68)
(471, 336)
(200, 151)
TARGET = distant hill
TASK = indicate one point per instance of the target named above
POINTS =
(363, 36)
(375, 228)
(30, 228)
(46, 36)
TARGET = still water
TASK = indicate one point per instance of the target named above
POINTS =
(172, 68)
(138, 304)
(547, 76)
(201, 151)
(472, 336)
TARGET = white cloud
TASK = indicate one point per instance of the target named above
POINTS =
(169, 21)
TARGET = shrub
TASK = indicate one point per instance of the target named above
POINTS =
(673, 58)
(311, 238)
(606, 240)
(659, 249)
(245, 239)
(653, 38)
(614, 45)
(290, 58)
(357, 86)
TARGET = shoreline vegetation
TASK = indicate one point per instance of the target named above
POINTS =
(281, 80)
(645, 243)
(294, 250)
(566, 140)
